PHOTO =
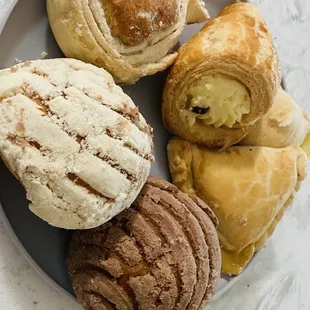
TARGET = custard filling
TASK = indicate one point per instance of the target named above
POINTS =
(217, 100)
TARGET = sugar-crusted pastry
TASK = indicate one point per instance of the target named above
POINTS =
(163, 253)
(248, 189)
(286, 123)
(75, 141)
(224, 79)
(129, 38)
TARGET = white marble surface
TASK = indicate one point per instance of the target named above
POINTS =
(21, 288)
(6, 7)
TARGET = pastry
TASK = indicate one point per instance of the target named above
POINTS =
(74, 140)
(248, 189)
(163, 253)
(224, 79)
(129, 38)
(306, 145)
(286, 123)
(196, 12)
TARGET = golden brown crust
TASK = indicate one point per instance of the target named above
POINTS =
(238, 44)
(248, 188)
(130, 39)
(134, 21)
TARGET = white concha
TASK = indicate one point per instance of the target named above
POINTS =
(75, 141)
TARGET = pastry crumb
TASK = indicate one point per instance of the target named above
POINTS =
(43, 55)
(18, 61)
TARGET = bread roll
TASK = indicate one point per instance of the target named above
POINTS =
(74, 140)
(224, 79)
(161, 254)
(129, 38)
(286, 123)
(248, 189)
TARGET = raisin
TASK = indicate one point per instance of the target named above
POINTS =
(199, 110)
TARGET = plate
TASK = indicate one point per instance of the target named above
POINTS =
(25, 37)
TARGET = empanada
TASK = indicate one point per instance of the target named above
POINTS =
(248, 188)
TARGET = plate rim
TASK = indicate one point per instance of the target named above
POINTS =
(22, 250)
(4, 220)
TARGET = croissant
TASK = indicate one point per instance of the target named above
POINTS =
(224, 79)
(248, 189)
(286, 123)
(129, 38)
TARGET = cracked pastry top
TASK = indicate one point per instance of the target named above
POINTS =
(75, 141)
(129, 38)
(247, 187)
(163, 253)
(224, 79)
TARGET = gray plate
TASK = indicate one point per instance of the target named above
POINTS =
(25, 36)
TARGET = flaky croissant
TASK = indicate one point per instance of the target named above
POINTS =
(286, 123)
(129, 38)
(224, 79)
(248, 188)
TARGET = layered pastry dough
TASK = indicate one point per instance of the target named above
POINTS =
(161, 254)
(75, 141)
(248, 188)
(129, 38)
(224, 79)
(286, 123)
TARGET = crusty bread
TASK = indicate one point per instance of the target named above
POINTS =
(233, 59)
(248, 189)
(286, 123)
(129, 38)
(75, 141)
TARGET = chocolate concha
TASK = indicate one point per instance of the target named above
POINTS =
(163, 253)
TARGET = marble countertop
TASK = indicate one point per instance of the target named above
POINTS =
(21, 288)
